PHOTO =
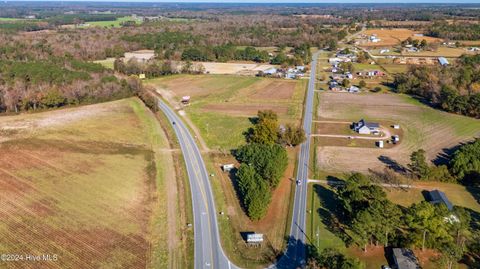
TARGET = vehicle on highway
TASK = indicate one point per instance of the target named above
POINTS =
(299, 182)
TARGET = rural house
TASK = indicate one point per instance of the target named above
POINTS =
(363, 127)
(439, 197)
(270, 71)
(405, 259)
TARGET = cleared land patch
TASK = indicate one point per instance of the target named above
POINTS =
(235, 68)
(86, 184)
(221, 105)
(422, 126)
(392, 37)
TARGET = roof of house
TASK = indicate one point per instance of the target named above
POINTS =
(443, 60)
(437, 197)
(369, 124)
(405, 259)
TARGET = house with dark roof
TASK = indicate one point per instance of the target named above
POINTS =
(405, 259)
(438, 197)
(364, 127)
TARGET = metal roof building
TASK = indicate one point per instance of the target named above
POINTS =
(438, 197)
(443, 61)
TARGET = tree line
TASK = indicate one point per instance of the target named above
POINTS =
(454, 31)
(263, 161)
(454, 88)
(32, 85)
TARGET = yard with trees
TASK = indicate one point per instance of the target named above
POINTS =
(365, 217)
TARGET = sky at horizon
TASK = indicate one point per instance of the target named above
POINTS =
(271, 1)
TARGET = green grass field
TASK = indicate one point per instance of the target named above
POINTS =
(395, 68)
(459, 195)
(107, 63)
(11, 19)
(86, 184)
(221, 104)
(115, 23)
(361, 67)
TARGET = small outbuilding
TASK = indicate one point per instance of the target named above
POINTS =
(439, 197)
(227, 167)
(270, 71)
(380, 144)
(443, 61)
(405, 259)
(186, 100)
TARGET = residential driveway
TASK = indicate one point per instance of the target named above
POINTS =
(386, 133)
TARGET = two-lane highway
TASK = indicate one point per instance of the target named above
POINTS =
(295, 255)
(208, 252)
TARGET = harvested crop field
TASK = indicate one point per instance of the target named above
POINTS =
(221, 105)
(83, 184)
(422, 126)
(235, 68)
(392, 37)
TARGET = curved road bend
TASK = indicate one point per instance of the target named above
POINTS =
(208, 252)
(295, 255)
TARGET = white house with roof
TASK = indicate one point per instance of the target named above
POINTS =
(364, 127)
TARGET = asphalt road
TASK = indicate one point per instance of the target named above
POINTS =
(295, 255)
(208, 252)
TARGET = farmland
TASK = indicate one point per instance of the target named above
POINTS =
(434, 130)
(233, 68)
(70, 177)
(393, 37)
(116, 23)
(441, 51)
(221, 105)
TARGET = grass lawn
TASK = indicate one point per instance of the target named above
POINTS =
(115, 23)
(11, 19)
(395, 68)
(87, 184)
(458, 194)
(319, 204)
(107, 63)
(367, 66)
